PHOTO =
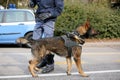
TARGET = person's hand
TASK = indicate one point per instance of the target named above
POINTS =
(44, 16)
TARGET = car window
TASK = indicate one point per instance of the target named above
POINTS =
(1, 17)
(20, 16)
(30, 16)
(14, 16)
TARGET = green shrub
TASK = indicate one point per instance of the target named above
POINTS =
(101, 17)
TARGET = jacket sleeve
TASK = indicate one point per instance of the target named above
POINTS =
(57, 10)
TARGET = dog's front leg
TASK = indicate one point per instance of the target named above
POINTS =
(77, 59)
(69, 65)
(31, 67)
(79, 66)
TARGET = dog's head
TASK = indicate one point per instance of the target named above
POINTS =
(86, 30)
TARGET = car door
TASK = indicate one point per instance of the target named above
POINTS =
(12, 26)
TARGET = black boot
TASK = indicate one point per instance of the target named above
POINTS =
(50, 64)
(43, 62)
(50, 59)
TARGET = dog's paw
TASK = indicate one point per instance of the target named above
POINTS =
(68, 73)
(84, 75)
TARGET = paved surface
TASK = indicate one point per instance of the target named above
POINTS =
(100, 60)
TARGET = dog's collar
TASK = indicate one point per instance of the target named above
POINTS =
(75, 33)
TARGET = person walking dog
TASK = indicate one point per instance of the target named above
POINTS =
(45, 17)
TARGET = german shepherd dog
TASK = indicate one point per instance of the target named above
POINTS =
(40, 48)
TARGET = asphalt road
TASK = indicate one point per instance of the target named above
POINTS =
(101, 61)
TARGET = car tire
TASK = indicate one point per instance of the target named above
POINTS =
(28, 36)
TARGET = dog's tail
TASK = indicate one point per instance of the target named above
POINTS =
(22, 40)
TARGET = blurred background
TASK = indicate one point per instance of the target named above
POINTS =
(104, 15)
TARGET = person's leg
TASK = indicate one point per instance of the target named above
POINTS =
(47, 64)
(37, 32)
(48, 61)
(49, 29)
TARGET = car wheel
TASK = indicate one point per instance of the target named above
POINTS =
(29, 37)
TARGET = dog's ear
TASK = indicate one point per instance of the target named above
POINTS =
(22, 40)
(87, 23)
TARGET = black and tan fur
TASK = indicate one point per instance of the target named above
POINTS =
(56, 45)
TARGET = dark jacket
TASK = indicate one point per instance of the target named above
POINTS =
(55, 7)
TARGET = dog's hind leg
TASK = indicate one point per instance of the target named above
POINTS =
(31, 67)
(77, 59)
(69, 65)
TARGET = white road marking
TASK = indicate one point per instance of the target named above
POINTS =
(58, 74)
